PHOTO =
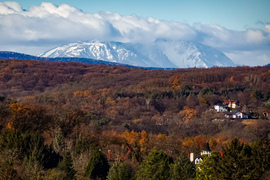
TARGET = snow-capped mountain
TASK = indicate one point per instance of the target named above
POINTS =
(161, 53)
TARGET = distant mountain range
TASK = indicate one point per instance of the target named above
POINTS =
(160, 54)
(15, 55)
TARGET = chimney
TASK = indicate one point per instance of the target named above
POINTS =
(191, 158)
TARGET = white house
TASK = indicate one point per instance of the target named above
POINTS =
(240, 115)
(205, 151)
(236, 115)
(220, 108)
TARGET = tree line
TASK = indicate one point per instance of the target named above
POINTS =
(56, 118)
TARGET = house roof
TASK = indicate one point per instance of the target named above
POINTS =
(206, 148)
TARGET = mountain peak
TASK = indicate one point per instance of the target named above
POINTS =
(161, 53)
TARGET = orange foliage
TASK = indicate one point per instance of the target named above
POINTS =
(17, 108)
(139, 138)
(161, 136)
(175, 81)
(188, 114)
(110, 101)
(105, 91)
(232, 79)
(83, 93)
(200, 141)
(10, 125)
(188, 142)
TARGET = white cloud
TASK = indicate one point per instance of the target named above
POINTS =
(251, 58)
(254, 36)
(50, 24)
(267, 27)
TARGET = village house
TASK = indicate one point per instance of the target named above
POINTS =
(236, 115)
(231, 104)
(220, 108)
(205, 152)
(225, 108)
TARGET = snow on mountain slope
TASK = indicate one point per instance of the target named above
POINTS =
(107, 51)
(161, 53)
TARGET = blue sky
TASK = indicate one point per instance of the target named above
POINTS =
(239, 28)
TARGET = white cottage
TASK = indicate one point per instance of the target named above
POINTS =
(205, 151)
(220, 108)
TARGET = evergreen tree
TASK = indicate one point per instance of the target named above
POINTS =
(183, 168)
(120, 171)
(98, 166)
(205, 169)
(235, 163)
(260, 157)
(67, 166)
(157, 166)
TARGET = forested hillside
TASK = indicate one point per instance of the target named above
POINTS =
(59, 118)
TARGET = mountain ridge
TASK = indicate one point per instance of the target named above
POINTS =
(161, 53)
(22, 56)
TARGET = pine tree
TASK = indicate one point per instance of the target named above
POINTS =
(260, 157)
(235, 163)
(183, 168)
(205, 169)
(120, 171)
(98, 166)
(157, 166)
(67, 166)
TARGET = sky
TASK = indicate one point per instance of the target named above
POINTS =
(239, 28)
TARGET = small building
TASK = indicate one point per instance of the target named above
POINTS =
(235, 104)
(240, 115)
(236, 115)
(220, 108)
(231, 103)
(206, 151)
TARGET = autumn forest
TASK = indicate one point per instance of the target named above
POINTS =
(67, 120)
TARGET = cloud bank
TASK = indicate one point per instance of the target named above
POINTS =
(48, 25)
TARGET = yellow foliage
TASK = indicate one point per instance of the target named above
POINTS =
(10, 125)
(188, 142)
(139, 138)
(144, 139)
(17, 108)
(188, 114)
